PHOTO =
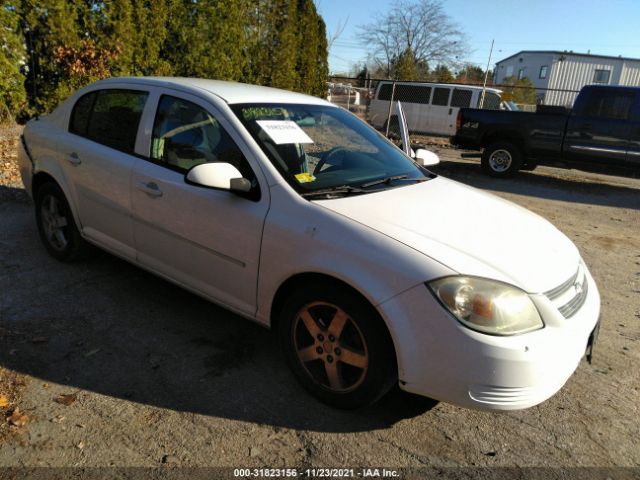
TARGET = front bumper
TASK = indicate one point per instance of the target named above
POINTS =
(441, 359)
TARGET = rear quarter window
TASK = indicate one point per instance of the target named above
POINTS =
(81, 113)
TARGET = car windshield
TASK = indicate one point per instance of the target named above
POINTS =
(320, 149)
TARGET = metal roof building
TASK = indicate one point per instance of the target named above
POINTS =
(567, 71)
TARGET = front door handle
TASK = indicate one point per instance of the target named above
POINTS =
(74, 159)
(150, 188)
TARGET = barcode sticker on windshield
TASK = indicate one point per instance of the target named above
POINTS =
(284, 131)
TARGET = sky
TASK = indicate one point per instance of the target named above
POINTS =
(609, 27)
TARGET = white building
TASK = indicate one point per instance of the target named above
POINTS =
(567, 71)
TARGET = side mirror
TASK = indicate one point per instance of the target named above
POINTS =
(218, 175)
(426, 158)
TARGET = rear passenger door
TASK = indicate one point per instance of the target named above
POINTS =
(98, 155)
(599, 127)
(633, 150)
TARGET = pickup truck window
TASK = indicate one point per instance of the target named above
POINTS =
(615, 105)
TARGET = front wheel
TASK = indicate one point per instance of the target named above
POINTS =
(501, 159)
(337, 346)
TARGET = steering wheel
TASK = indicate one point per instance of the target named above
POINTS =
(327, 157)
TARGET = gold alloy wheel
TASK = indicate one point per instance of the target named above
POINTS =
(330, 347)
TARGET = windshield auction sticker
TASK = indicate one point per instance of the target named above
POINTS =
(284, 131)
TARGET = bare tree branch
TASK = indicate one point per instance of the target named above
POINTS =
(419, 26)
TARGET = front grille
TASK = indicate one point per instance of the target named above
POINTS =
(570, 295)
(570, 308)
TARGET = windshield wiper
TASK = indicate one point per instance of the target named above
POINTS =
(339, 190)
(388, 180)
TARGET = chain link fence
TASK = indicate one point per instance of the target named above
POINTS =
(432, 108)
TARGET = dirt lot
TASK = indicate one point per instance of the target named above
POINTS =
(115, 367)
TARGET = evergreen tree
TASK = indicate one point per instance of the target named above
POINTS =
(322, 58)
(404, 67)
(283, 44)
(442, 74)
(47, 25)
(12, 54)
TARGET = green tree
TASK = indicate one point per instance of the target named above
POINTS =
(471, 74)
(47, 25)
(404, 66)
(442, 74)
(518, 91)
(322, 60)
(12, 55)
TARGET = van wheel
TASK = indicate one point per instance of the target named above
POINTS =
(57, 228)
(337, 346)
(501, 159)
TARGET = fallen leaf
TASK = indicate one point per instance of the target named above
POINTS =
(4, 401)
(58, 419)
(66, 399)
(18, 419)
(39, 340)
(80, 445)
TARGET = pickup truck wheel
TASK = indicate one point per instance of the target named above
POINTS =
(337, 346)
(57, 228)
(501, 159)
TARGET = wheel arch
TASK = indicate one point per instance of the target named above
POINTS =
(41, 177)
(309, 277)
(504, 136)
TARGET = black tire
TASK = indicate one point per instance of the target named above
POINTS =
(363, 341)
(501, 159)
(57, 227)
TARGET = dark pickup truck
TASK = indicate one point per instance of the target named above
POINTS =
(601, 133)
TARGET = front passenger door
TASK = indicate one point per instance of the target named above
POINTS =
(205, 239)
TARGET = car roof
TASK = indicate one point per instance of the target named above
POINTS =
(230, 92)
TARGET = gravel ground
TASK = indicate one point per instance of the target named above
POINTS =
(115, 367)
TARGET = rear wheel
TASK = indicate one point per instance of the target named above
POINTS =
(337, 346)
(57, 228)
(501, 159)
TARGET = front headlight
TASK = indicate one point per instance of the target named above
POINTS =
(487, 306)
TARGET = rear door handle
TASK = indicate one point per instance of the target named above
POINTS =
(150, 188)
(74, 159)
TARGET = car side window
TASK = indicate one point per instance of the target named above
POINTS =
(185, 135)
(80, 114)
(112, 119)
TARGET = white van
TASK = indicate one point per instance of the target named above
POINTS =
(430, 107)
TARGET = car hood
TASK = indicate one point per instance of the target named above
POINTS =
(469, 231)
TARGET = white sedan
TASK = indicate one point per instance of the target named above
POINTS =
(295, 214)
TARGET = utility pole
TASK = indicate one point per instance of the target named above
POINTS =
(486, 75)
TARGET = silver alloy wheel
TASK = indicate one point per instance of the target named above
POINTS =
(500, 160)
(53, 223)
(337, 357)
